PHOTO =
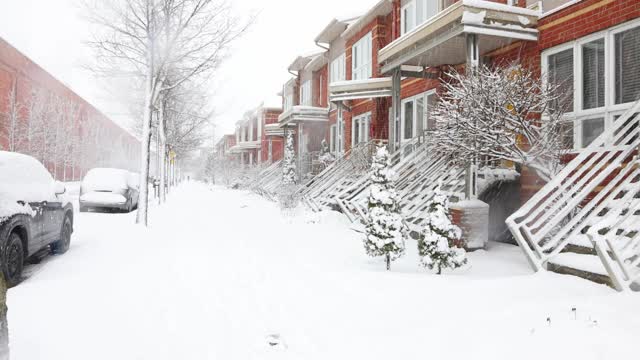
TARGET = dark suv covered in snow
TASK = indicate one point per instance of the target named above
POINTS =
(35, 215)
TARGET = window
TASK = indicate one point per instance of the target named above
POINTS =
(360, 131)
(591, 129)
(606, 69)
(627, 74)
(561, 74)
(288, 101)
(414, 116)
(593, 74)
(338, 66)
(305, 93)
(361, 58)
(416, 12)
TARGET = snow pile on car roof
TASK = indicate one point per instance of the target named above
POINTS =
(105, 179)
(24, 179)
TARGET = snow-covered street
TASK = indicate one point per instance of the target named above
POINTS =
(221, 273)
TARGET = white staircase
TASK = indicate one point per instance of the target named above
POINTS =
(268, 181)
(564, 209)
(615, 231)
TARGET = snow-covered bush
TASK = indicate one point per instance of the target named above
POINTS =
(439, 240)
(503, 113)
(326, 157)
(287, 192)
(289, 171)
(386, 230)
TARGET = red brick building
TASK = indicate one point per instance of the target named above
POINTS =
(258, 138)
(42, 117)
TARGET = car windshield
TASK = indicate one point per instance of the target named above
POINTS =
(105, 180)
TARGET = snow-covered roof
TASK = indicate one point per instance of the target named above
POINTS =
(383, 7)
(301, 61)
(273, 102)
(335, 27)
(317, 62)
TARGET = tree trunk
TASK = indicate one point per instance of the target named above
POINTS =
(388, 256)
(163, 151)
(143, 199)
(4, 325)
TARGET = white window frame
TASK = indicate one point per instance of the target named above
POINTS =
(418, 19)
(305, 93)
(610, 108)
(338, 69)
(425, 111)
(362, 48)
(288, 101)
(363, 122)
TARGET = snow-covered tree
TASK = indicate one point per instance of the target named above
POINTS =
(438, 243)
(503, 113)
(289, 171)
(150, 40)
(386, 230)
(13, 128)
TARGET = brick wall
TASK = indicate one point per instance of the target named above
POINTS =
(24, 76)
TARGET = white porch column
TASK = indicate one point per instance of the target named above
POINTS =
(473, 62)
(394, 119)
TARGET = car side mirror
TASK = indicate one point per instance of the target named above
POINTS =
(59, 188)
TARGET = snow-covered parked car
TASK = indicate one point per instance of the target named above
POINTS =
(35, 215)
(104, 188)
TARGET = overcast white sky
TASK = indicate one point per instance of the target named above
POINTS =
(52, 33)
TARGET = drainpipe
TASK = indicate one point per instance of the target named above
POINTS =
(321, 47)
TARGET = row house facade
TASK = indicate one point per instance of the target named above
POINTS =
(376, 77)
(258, 139)
(223, 146)
(42, 117)
(306, 108)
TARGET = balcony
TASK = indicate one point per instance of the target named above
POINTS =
(245, 146)
(441, 39)
(300, 114)
(360, 89)
(276, 130)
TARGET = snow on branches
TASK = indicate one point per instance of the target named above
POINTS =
(503, 113)
(386, 231)
(289, 173)
(437, 243)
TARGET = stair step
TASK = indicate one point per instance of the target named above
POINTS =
(586, 266)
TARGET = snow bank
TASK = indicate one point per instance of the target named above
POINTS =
(221, 273)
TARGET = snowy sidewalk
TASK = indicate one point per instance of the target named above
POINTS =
(221, 270)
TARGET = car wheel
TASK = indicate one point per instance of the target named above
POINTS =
(61, 246)
(13, 261)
